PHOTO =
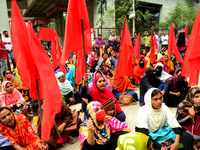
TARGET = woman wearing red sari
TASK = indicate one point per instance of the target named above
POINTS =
(17, 129)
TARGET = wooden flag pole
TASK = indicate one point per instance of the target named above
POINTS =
(40, 110)
(119, 51)
(84, 50)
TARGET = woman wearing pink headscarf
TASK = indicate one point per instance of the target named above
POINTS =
(10, 96)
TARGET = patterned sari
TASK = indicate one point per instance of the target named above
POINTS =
(23, 133)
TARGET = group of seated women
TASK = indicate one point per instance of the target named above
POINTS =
(102, 125)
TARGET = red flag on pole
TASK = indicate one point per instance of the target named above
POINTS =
(33, 63)
(137, 46)
(152, 55)
(188, 66)
(51, 35)
(172, 48)
(124, 66)
(80, 66)
(47, 82)
(21, 48)
(73, 42)
(186, 30)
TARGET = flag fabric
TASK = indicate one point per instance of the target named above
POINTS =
(152, 49)
(124, 66)
(137, 46)
(172, 48)
(73, 42)
(191, 61)
(47, 82)
(48, 34)
(186, 30)
(21, 49)
(80, 66)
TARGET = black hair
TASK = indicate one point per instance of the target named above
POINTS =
(2, 108)
(4, 72)
(149, 143)
(5, 31)
(135, 32)
(155, 92)
(197, 92)
(103, 54)
(99, 35)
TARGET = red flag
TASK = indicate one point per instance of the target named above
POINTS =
(194, 77)
(47, 82)
(73, 42)
(51, 35)
(172, 48)
(124, 66)
(152, 55)
(187, 65)
(121, 33)
(21, 48)
(137, 46)
(80, 66)
(186, 30)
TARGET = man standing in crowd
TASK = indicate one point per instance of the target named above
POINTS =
(7, 39)
(3, 56)
(164, 39)
(100, 43)
(147, 41)
(112, 41)
(134, 38)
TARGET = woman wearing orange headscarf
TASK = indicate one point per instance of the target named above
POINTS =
(122, 86)
(17, 129)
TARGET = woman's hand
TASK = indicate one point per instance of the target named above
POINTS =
(72, 100)
(86, 78)
(42, 147)
(61, 127)
(174, 146)
(164, 148)
(110, 113)
(114, 87)
(90, 124)
(178, 94)
(191, 112)
(163, 92)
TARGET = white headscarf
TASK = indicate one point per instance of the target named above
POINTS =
(154, 119)
(65, 87)
(164, 75)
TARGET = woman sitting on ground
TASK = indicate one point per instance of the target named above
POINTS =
(101, 94)
(66, 88)
(98, 131)
(102, 67)
(177, 86)
(152, 118)
(17, 83)
(10, 96)
(188, 114)
(18, 130)
(64, 119)
(122, 86)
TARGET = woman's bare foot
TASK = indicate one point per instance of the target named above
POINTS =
(70, 139)
(63, 144)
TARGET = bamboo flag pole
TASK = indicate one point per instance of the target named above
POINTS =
(84, 50)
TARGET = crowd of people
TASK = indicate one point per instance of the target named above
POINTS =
(102, 93)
